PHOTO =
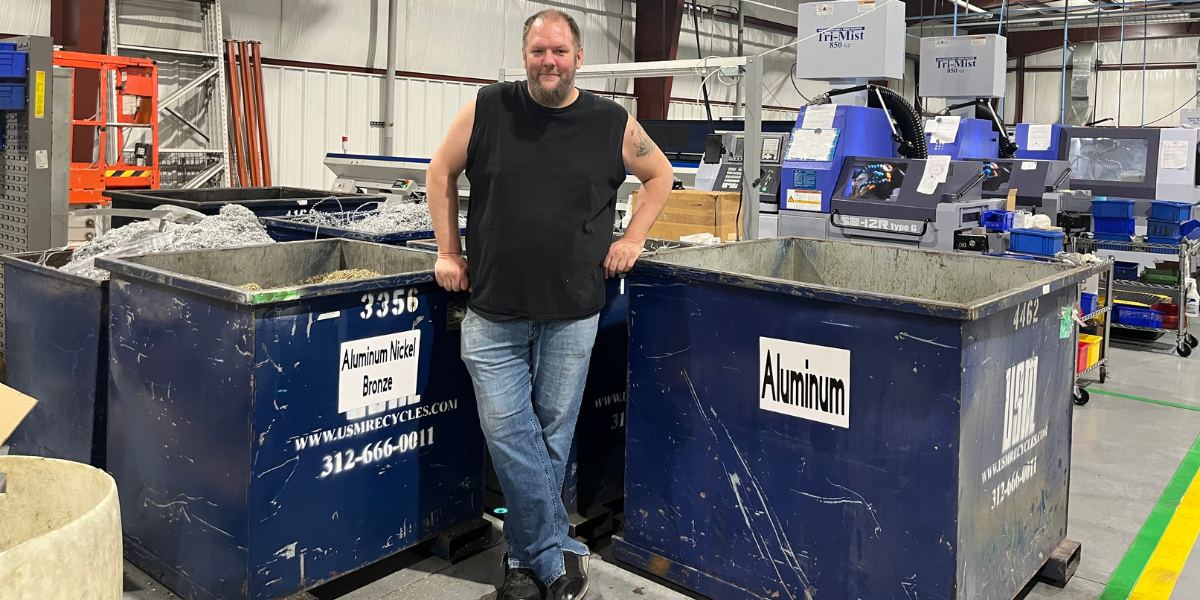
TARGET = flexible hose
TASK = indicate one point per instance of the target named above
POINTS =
(909, 124)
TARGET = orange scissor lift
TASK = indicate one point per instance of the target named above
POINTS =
(127, 101)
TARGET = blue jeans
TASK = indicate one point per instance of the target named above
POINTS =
(529, 378)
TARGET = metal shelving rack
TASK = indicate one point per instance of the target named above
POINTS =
(1186, 250)
(199, 102)
(1101, 367)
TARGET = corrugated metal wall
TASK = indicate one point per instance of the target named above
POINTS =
(309, 110)
(25, 17)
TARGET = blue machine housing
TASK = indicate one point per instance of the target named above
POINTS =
(1022, 142)
(975, 139)
(863, 132)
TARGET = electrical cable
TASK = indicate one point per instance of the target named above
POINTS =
(703, 86)
(792, 78)
(1185, 103)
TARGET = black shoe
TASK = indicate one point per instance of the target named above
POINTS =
(574, 584)
(520, 584)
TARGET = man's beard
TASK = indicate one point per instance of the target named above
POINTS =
(554, 97)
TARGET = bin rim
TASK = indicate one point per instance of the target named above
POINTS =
(27, 261)
(976, 309)
(153, 196)
(128, 270)
(291, 224)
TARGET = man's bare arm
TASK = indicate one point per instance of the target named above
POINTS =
(441, 190)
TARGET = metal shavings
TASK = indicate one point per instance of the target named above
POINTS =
(235, 225)
(251, 287)
(342, 275)
(393, 217)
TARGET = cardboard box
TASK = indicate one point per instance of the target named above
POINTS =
(689, 212)
(14, 406)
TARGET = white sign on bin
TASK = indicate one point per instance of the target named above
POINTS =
(378, 369)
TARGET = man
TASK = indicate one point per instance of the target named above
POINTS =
(544, 160)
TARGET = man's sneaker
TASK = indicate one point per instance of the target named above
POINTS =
(574, 584)
(520, 584)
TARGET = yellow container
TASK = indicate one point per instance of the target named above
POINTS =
(1093, 342)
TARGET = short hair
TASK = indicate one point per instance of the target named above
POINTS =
(552, 14)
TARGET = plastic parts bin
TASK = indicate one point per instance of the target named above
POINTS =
(1138, 317)
(334, 416)
(1036, 241)
(1170, 311)
(12, 96)
(997, 220)
(12, 63)
(1094, 342)
(1160, 276)
(57, 337)
(1112, 208)
(7, 46)
(1159, 228)
(1167, 210)
(1112, 237)
(1118, 225)
(1081, 358)
(813, 415)
(1125, 270)
(1088, 303)
(1162, 241)
(263, 201)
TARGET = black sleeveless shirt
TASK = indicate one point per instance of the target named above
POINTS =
(542, 204)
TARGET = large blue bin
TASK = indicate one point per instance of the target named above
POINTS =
(57, 336)
(263, 201)
(264, 442)
(595, 478)
(821, 419)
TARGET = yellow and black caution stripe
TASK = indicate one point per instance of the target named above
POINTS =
(133, 173)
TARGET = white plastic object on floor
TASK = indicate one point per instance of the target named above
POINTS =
(1193, 299)
(61, 537)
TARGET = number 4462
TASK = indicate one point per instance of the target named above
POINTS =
(1027, 314)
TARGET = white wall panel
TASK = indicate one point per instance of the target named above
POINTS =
(309, 110)
(25, 17)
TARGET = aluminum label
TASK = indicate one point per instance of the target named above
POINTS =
(805, 381)
(378, 369)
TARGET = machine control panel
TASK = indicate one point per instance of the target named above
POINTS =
(730, 178)
(772, 150)
(770, 153)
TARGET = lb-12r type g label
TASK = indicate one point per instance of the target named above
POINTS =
(378, 369)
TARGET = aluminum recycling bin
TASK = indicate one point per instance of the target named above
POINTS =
(264, 442)
(57, 327)
(288, 229)
(263, 201)
(821, 419)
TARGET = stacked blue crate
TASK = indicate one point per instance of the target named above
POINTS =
(1163, 226)
(12, 76)
(1112, 219)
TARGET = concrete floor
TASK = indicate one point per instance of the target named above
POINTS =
(1124, 453)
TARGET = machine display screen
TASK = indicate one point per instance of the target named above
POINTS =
(996, 175)
(1109, 159)
(739, 146)
(874, 181)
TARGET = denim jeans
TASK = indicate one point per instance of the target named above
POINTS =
(529, 378)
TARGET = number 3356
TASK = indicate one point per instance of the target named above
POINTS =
(394, 303)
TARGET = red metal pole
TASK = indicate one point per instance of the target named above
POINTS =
(238, 155)
(263, 140)
(251, 116)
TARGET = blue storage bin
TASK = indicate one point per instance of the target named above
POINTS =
(12, 64)
(1167, 210)
(1138, 317)
(12, 96)
(1115, 208)
(1125, 270)
(1160, 228)
(1112, 237)
(1088, 303)
(7, 46)
(997, 220)
(1119, 225)
(1036, 241)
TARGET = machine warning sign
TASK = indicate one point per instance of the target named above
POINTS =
(809, 200)
(803, 380)
(378, 369)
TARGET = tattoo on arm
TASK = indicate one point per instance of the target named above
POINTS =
(642, 142)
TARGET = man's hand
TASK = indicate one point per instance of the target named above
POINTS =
(621, 256)
(451, 273)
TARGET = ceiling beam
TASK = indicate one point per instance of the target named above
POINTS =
(1021, 43)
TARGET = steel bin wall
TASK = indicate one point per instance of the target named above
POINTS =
(57, 326)
(239, 475)
(946, 474)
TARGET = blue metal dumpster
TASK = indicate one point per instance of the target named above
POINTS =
(819, 419)
(287, 229)
(595, 479)
(57, 326)
(264, 442)
(264, 201)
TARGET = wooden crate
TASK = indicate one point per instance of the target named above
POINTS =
(689, 212)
